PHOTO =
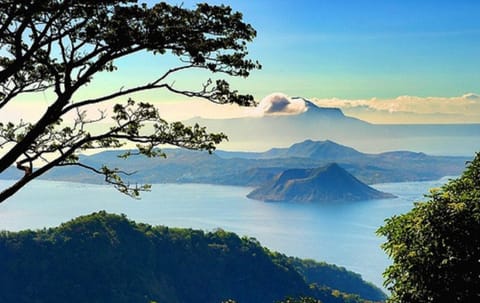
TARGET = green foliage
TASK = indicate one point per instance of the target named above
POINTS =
(61, 46)
(108, 258)
(435, 247)
(300, 300)
(336, 278)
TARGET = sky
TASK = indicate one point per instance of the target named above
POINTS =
(384, 61)
(362, 54)
(366, 48)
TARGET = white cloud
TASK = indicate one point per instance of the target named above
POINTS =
(273, 104)
(402, 109)
(471, 96)
(410, 109)
(281, 104)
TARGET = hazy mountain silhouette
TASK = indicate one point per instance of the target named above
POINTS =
(320, 123)
(307, 149)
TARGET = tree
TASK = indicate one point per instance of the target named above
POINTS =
(289, 300)
(300, 300)
(59, 46)
(435, 247)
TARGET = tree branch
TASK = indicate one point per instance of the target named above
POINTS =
(64, 44)
(113, 177)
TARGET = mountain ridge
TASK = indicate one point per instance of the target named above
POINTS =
(254, 169)
(305, 149)
(136, 262)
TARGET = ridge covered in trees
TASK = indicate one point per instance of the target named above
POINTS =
(108, 258)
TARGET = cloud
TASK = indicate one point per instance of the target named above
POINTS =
(410, 109)
(281, 104)
(402, 109)
(471, 96)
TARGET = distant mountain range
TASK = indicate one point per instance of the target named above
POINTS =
(320, 123)
(307, 149)
(257, 169)
(325, 184)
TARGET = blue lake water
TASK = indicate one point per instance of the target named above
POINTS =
(342, 233)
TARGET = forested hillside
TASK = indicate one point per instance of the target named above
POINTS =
(108, 258)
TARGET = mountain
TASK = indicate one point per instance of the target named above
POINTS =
(107, 258)
(326, 112)
(325, 184)
(318, 150)
(319, 123)
(256, 168)
(306, 149)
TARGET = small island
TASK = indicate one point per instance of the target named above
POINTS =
(324, 184)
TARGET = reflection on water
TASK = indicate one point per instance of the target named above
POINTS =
(340, 233)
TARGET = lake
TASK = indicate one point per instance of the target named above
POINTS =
(342, 233)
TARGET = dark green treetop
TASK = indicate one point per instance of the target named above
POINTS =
(435, 247)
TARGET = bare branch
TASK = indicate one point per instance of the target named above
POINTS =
(112, 176)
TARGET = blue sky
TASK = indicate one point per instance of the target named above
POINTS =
(363, 49)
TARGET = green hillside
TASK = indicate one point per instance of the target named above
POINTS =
(108, 258)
